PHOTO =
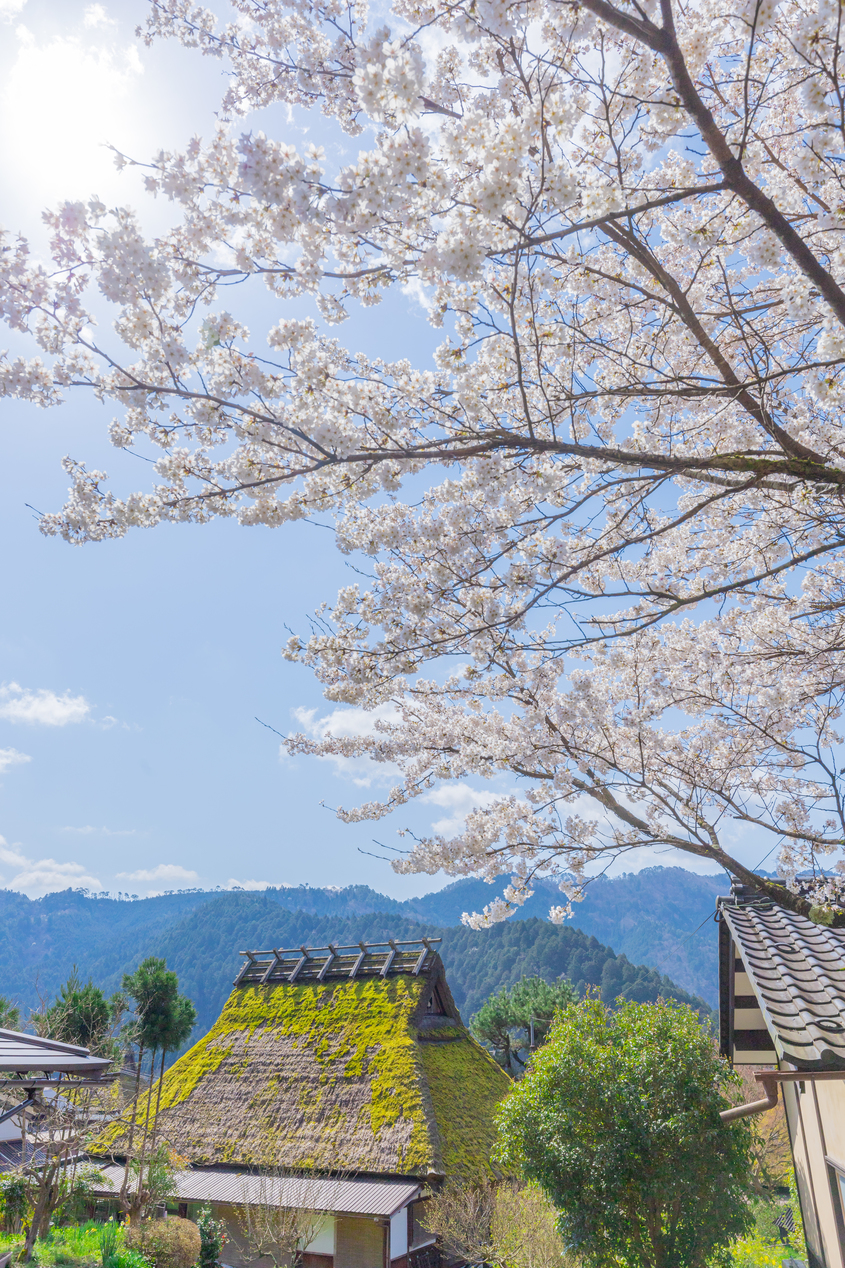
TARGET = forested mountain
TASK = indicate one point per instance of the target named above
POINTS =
(201, 934)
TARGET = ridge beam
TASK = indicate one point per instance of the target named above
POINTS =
(271, 967)
(329, 958)
(421, 961)
(298, 966)
(245, 968)
(391, 956)
(356, 966)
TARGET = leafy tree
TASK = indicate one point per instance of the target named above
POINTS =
(494, 1024)
(509, 1018)
(629, 441)
(64, 1125)
(10, 1015)
(173, 1032)
(81, 1014)
(501, 1224)
(618, 1121)
(159, 1016)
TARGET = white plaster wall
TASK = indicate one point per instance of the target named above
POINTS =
(323, 1243)
(399, 1233)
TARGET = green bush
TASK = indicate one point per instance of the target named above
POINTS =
(170, 1243)
(212, 1236)
(13, 1202)
(126, 1258)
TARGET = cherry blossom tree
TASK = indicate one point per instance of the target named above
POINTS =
(605, 526)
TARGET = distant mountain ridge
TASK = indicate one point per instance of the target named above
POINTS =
(659, 918)
(651, 916)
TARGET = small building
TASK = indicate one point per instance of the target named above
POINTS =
(339, 1079)
(32, 1071)
(782, 1010)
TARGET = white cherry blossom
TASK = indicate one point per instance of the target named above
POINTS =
(618, 598)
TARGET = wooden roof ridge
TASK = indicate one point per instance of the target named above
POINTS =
(389, 958)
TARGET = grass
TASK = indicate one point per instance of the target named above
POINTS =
(78, 1244)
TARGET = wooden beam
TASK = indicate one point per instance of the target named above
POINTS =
(385, 968)
(329, 958)
(356, 966)
(265, 976)
(295, 970)
(417, 969)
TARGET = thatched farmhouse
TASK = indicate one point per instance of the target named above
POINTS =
(782, 1010)
(339, 1079)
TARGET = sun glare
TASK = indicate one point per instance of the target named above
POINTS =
(63, 101)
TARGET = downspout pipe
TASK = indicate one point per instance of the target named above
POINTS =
(769, 1081)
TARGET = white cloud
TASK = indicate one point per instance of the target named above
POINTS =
(164, 872)
(10, 9)
(11, 757)
(233, 884)
(460, 799)
(341, 723)
(41, 707)
(95, 15)
(36, 877)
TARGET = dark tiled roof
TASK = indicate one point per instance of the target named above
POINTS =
(321, 964)
(11, 1154)
(797, 970)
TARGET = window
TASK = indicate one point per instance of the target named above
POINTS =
(836, 1176)
(435, 1004)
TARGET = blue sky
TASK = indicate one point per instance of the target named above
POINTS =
(130, 755)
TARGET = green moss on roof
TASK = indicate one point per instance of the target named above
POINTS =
(465, 1085)
(335, 1076)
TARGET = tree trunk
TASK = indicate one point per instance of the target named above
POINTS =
(124, 1188)
(42, 1210)
(158, 1098)
(137, 1208)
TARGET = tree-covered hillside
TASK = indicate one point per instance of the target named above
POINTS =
(203, 939)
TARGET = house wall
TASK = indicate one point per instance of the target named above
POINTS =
(342, 1241)
(816, 1118)
(360, 1243)
(399, 1234)
(319, 1252)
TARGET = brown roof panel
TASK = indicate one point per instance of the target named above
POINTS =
(797, 969)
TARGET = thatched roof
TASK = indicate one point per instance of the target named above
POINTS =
(314, 1068)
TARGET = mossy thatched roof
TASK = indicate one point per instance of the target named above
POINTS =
(355, 1075)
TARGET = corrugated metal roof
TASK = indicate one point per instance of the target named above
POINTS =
(320, 964)
(23, 1054)
(344, 1197)
(797, 971)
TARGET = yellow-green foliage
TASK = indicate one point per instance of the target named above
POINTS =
(754, 1252)
(466, 1085)
(170, 1243)
(344, 1032)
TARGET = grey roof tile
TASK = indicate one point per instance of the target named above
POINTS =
(28, 1054)
(344, 1196)
(797, 969)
